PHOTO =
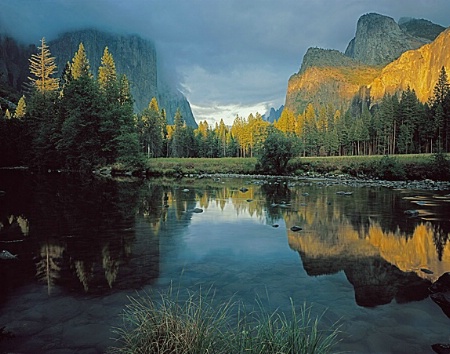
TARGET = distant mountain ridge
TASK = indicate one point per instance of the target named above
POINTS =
(374, 62)
(134, 56)
(273, 114)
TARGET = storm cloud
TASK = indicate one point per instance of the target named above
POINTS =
(230, 57)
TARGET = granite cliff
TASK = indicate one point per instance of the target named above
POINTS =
(379, 39)
(384, 56)
(327, 76)
(419, 69)
(134, 56)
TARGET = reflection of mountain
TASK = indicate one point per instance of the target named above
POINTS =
(90, 235)
(343, 235)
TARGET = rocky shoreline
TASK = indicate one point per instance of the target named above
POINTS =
(328, 180)
(307, 178)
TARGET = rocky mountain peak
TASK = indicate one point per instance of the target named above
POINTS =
(420, 28)
(380, 40)
(318, 57)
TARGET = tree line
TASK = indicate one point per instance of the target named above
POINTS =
(398, 124)
(79, 121)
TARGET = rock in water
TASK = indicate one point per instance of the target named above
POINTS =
(296, 228)
(5, 255)
(443, 300)
(441, 285)
(411, 212)
(441, 348)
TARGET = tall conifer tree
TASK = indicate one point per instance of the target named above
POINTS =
(42, 67)
(80, 63)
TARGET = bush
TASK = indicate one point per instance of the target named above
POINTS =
(194, 323)
(440, 167)
(277, 150)
(390, 169)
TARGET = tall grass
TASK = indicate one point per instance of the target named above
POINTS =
(196, 323)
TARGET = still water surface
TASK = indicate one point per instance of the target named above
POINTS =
(84, 245)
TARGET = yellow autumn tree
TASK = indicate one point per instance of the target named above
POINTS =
(21, 108)
(42, 67)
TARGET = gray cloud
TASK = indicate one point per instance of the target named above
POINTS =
(228, 54)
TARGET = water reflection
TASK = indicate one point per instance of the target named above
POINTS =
(90, 236)
(84, 244)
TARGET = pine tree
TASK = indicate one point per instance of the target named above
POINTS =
(80, 64)
(113, 116)
(440, 107)
(107, 75)
(177, 137)
(151, 129)
(124, 91)
(154, 105)
(42, 67)
(21, 108)
(83, 109)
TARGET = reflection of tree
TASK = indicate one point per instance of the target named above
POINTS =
(93, 218)
(110, 265)
(85, 273)
(440, 239)
(49, 265)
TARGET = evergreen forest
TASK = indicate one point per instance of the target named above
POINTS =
(80, 121)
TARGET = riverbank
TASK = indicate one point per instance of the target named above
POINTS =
(395, 167)
(425, 171)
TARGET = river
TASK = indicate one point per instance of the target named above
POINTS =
(84, 245)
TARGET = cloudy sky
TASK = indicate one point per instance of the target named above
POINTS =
(231, 57)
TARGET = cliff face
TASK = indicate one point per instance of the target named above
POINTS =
(384, 57)
(327, 76)
(380, 40)
(133, 56)
(14, 62)
(420, 28)
(419, 69)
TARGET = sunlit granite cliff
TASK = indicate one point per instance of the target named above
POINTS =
(419, 69)
(382, 57)
(327, 76)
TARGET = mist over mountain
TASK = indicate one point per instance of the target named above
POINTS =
(383, 57)
(134, 56)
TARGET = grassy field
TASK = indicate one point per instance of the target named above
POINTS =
(413, 167)
(183, 166)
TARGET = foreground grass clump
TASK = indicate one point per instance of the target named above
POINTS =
(195, 323)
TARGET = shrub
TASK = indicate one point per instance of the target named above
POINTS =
(440, 167)
(390, 169)
(276, 151)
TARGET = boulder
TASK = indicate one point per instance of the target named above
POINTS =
(442, 284)
(443, 300)
(440, 292)
(441, 348)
